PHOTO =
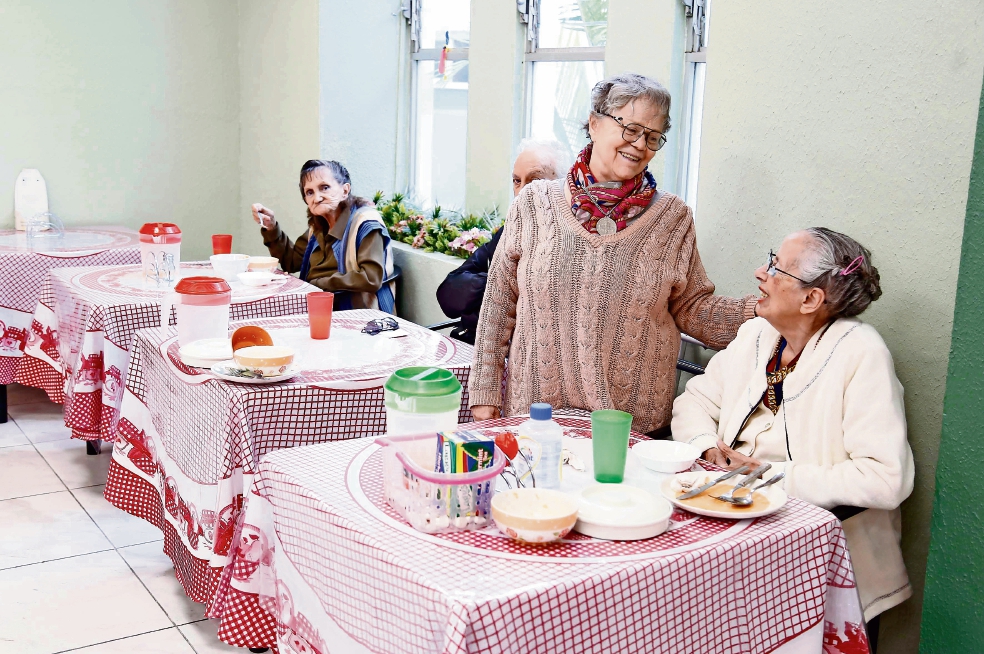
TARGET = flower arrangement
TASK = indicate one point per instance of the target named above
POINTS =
(446, 232)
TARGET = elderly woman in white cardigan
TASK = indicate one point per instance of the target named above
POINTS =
(811, 389)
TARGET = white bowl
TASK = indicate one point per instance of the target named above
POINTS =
(227, 266)
(269, 360)
(666, 456)
(620, 512)
(257, 278)
(534, 515)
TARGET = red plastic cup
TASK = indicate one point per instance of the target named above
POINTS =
(319, 313)
(221, 243)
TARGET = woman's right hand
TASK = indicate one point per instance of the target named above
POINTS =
(485, 412)
(263, 216)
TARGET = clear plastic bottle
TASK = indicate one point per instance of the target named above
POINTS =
(549, 436)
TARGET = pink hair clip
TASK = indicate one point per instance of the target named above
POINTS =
(854, 265)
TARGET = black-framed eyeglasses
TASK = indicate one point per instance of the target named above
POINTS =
(373, 327)
(771, 269)
(630, 133)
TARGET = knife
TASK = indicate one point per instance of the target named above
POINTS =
(700, 489)
(753, 475)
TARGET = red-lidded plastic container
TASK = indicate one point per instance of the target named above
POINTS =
(160, 233)
(160, 252)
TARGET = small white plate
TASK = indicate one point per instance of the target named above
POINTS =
(206, 352)
(620, 512)
(671, 488)
(224, 370)
(261, 279)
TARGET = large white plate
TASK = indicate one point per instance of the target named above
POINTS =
(220, 371)
(777, 496)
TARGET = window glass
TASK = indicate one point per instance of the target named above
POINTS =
(695, 120)
(440, 16)
(441, 117)
(573, 23)
(560, 101)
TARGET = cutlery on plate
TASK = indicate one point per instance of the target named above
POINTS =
(700, 489)
(745, 500)
(747, 481)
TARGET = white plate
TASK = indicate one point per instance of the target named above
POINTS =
(222, 371)
(620, 512)
(206, 352)
(671, 488)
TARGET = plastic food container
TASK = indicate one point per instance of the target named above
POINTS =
(160, 252)
(421, 399)
(201, 305)
(435, 502)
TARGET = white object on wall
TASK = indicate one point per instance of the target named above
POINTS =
(30, 197)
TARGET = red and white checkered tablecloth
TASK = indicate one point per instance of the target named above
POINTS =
(77, 350)
(323, 564)
(188, 443)
(24, 265)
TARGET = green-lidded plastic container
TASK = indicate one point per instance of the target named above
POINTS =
(421, 399)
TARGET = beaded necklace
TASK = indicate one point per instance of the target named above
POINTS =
(774, 379)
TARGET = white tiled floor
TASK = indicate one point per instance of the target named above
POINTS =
(77, 574)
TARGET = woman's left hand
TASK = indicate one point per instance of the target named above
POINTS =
(734, 459)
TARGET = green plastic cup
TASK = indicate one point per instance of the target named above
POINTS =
(610, 443)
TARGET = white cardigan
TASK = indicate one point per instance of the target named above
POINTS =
(845, 432)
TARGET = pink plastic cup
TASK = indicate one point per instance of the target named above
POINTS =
(319, 313)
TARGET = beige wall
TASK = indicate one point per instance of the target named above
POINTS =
(280, 111)
(130, 110)
(860, 117)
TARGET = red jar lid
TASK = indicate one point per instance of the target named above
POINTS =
(202, 286)
(159, 229)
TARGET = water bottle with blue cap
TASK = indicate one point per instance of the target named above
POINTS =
(549, 437)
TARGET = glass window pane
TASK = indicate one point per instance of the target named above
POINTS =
(560, 100)
(439, 142)
(693, 151)
(440, 16)
(573, 23)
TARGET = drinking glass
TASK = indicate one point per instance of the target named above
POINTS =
(610, 443)
(221, 243)
(319, 313)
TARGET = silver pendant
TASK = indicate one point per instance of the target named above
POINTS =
(606, 227)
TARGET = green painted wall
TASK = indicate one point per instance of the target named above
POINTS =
(953, 608)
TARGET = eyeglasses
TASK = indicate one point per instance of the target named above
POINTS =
(631, 133)
(373, 327)
(772, 270)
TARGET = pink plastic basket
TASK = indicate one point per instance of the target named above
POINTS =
(435, 502)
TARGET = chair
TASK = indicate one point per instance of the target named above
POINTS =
(438, 326)
(684, 365)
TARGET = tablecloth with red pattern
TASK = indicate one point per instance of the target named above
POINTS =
(188, 443)
(323, 564)
(24, 265)
(78, 347)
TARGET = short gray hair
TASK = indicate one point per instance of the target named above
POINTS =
(553, 153)
(619, 90)
(831, 254)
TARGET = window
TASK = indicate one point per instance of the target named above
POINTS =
(439, 110)
(693, 94)
(566, 59)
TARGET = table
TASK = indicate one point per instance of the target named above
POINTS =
(24, 264)
(322, 559)
(188, 443)
(78, 348)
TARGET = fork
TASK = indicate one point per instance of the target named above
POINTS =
(747, 481)
(745, 500)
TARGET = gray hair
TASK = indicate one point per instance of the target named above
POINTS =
(552, 152)
(619, 90)
(833, 253)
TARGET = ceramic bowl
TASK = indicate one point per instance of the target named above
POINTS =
(227, 266)
(534, 515)
(269, 360)
(257, 277)
(666, 456)
(250, 336)
(263, 263)
(621, 512)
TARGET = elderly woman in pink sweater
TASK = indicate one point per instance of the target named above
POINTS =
(596, 275)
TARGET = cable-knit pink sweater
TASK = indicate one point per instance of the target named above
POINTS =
(590, 321)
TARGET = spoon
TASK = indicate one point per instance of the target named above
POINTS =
(746, 482)
(745, 500)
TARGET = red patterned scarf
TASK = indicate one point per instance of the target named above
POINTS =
(621, 201)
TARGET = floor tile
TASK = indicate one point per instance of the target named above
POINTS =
(167, 641)
(59, 605)
(41, 421)
(72, 465)
(18, 394)
(121, 528)
(11, 434)
(202, 636)
(156, 571)
(45, 527)
(25, 472)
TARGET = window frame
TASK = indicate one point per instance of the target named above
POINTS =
(411, 11)
(695, 56)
